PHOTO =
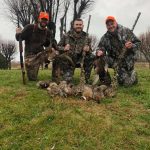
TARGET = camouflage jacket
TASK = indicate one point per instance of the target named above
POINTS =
(35, 39)
(113, 44)
(76, 41)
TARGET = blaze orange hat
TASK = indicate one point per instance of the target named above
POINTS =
(44, 15)
(110, 18)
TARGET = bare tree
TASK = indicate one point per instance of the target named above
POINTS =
(8, 50)
(145, 45)
(81, 7)
(27, 11)
(20, 10)
(3, 62)
(63, 19)
(94, 42)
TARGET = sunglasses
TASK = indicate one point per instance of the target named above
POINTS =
(44, 19)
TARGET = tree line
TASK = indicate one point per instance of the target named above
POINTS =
(23, 12)
(145, 45)
(61, 12)
(7, 54)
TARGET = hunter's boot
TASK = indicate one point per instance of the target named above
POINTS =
(105, 78)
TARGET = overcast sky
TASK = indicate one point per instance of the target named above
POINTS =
(124, 11)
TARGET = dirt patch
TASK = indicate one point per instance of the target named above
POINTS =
(4, 90)
(20, 94)
(142, 65)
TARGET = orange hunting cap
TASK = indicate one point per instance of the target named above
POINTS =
(44, 15)
(112, 18)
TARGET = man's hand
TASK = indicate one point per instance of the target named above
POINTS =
(53, 50)
(128, 45)
(18, 30)
(86, 48)
(67, 47)
(99, 53)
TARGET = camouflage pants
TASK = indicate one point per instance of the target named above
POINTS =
(32, 68)
(66, 69)
(126, 74)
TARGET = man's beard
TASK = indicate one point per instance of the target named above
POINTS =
(42, 26)
(78, 31)
(114, 33)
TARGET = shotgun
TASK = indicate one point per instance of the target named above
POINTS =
(124, 50)
(82, 76)
(21, 57)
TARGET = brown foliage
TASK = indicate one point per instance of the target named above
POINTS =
(145, 44)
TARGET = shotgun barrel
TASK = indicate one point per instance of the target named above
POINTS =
(21, 57)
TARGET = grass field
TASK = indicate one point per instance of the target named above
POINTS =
(30, 119)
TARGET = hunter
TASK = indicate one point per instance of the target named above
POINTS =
(72, 45)
(37, 37)
(110, 48)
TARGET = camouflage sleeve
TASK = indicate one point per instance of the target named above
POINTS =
(26, 32)
(130, 36)
(102, 44)
(136, 42)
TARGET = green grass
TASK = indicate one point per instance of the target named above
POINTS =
(30, 119)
